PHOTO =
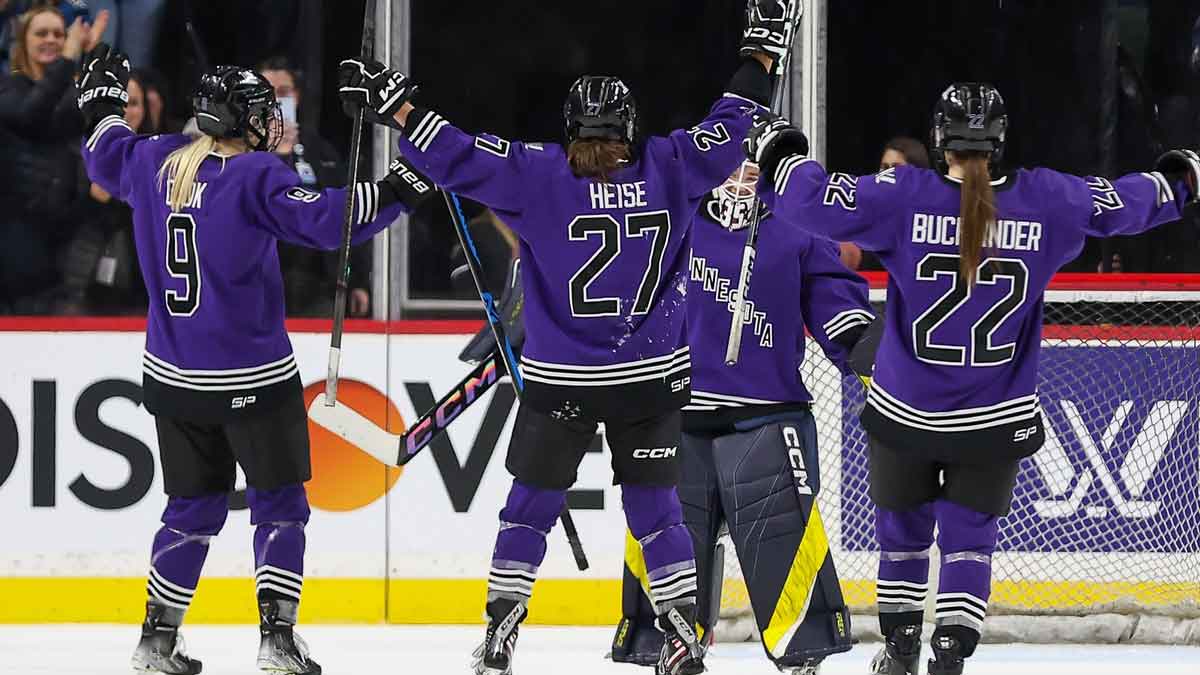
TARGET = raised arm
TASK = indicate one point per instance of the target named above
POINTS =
(485, 168)
(278, 203)
(1142, 201)
(834, 302)
(109, 143)
(838, 206)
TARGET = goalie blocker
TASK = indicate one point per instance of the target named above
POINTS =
(794, 589)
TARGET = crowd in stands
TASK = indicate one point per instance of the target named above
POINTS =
(66, 246)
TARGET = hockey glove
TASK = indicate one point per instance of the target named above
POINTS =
(1181, 165)
(770, 26)
(772, 139)
(376, 89)
(103, 85)
(403, 183)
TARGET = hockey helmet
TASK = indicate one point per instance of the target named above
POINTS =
(233, 102)
(969, 116)
(734, 200)
(600, 107)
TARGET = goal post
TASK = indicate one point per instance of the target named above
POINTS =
(1103, 541)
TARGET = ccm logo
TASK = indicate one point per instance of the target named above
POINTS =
(680, 384)
(243, 402)
(1024, 434)
(654, 453)
(791, 438)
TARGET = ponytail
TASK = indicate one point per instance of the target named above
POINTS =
(596, 158)
(977, 212)
(179, 170)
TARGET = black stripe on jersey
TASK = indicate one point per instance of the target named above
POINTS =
(219, 380)
(971, 419)
(607, 375)
(704, 400)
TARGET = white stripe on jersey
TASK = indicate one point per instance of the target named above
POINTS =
(846, 320)
(947, 421)
(104, 125)
(571, 375)
(706, 400)
(219, 380)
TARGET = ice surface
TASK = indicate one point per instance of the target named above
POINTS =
(421, 650)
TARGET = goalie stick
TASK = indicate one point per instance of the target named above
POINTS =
(734, 345)
(343, 280)
(397, 449)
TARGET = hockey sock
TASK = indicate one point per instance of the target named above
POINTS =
(279, 516)
(179, 549)
(655, 518)
(967, 539)
(904, 540)
(525, 520)
(968, 638)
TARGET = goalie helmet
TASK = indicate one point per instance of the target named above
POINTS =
(233, 102)
(732, 203)
(969, 116)
(600, 107)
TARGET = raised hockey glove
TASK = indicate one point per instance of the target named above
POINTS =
(376, 89)
(770, 26)
(1181, 165)
(403, 183)
(103, 84)
(772, 139)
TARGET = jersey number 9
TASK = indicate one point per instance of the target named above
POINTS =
(182, 263)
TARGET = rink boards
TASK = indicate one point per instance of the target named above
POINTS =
(80, 494)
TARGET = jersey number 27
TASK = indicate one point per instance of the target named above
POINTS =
(182, 263)
(609, 231)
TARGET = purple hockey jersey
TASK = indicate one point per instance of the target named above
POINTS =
(604, 265)
(801, 284)
(216, 346)
(956, 371)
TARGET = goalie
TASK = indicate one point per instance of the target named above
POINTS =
(749, 449)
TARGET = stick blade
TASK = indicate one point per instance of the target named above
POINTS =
(349, 425)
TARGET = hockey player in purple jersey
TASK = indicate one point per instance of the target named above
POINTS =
(749, 453)
(954, 406)
(219, 374)
(604, 226)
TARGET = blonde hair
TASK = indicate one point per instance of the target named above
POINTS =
(19, 54)
(179, 169)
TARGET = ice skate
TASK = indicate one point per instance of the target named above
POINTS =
(161, 649)
(901, 655)
(280, 650)
(947, 656)
(810, 668)
(681, 652)
(494, 656)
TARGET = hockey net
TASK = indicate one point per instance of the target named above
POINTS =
(1103, 541)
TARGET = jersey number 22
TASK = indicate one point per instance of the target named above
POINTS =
(989, 272)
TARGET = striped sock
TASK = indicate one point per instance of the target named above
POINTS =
(164, 592)
(276, 582)
(961, 609)
(673, 585)
(511, 580)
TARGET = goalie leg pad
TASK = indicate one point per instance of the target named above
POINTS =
(527, 517)
(768, 482)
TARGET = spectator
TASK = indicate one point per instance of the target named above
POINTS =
(134, 27)
(154, 89)
(42, 184)
(310, 276)
(899, 151)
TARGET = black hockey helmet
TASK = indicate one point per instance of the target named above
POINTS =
(969, 116)
(600, 106)
(233, 102)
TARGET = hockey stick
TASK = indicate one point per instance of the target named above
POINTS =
(343, 280)
(398, 449)
(734, 345)
(503, 345)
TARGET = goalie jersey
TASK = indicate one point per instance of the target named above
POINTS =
(800, 284)
(216, 346)
(604, 265)
(956, 371)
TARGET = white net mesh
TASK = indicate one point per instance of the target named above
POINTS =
(1104, 533)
